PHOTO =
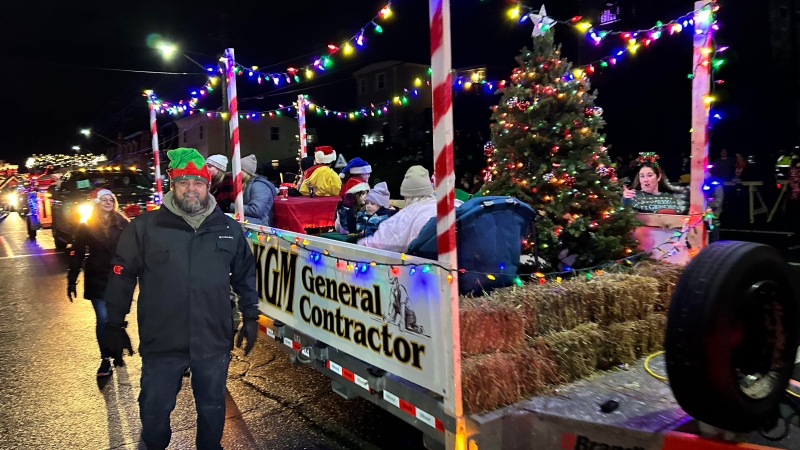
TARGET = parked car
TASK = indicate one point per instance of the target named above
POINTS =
(71, 203)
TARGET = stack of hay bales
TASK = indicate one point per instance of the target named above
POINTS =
(518, 341)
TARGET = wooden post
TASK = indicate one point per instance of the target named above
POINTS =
(701, 104)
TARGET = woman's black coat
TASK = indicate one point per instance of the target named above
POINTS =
(101, 247)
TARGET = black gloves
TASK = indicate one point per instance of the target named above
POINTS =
(114, 341)
(249, 331)
(72, 291)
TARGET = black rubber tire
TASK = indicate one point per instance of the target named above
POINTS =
(31, 231)
(711, 308)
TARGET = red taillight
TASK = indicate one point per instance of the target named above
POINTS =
(132, 210)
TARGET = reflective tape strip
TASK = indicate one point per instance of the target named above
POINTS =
(413, 410)
(344, 373)
(264, 329)
(287, 342)
(270, 333)
(296, 345)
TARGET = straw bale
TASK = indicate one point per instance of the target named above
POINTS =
(667, 275)
(623, 297)
(624, 343)
(491, 381)
(657, 324)
(555, 307)
(489, 324)
(576, 351)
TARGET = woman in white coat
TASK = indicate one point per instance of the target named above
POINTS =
(397, 232)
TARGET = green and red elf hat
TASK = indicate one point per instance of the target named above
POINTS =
(187, 163)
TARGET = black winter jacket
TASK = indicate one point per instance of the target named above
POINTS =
(184, 279)
(101, 249)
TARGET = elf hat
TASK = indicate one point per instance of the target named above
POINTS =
(356, 166)
(187, 163)
(324, 155)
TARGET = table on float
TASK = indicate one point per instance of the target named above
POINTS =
(298, 214)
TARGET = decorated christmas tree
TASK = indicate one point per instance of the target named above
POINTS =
(547, 150)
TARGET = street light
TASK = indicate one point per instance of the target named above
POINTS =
(88, 133)
(168, 50)
(76, 148)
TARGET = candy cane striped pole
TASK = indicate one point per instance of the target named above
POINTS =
(441, 83)
(156, 156)
(301, 119)
(233, 114)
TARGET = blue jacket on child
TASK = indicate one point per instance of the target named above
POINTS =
(367, 225)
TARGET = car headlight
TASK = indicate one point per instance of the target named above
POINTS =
(85, 211)
(12, 200)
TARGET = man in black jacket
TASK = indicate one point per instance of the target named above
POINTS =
(185, 256)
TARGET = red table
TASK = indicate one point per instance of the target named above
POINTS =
(301, 213)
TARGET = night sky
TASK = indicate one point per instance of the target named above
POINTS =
(70, 65)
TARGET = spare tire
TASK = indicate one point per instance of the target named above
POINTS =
(732, 335)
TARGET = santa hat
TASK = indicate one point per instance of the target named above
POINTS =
(324, 155)
(187, 163)
(356, 166)
(360, 187)
(99, 193)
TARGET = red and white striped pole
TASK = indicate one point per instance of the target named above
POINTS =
(233, 114)
(156, 156)
(441, 83)
(301, 120)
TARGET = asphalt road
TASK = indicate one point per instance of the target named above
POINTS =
(51, 398)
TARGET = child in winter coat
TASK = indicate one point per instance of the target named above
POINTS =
(376, 210)
(347, 209)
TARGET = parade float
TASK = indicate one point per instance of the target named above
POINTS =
(554, 359)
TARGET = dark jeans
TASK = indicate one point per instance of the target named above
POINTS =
(162, 377)
(101, 313)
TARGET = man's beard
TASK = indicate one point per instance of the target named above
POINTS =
(191, 204)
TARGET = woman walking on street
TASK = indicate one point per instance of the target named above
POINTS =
(100, 234)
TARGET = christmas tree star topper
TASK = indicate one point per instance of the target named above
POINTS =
(541, 22)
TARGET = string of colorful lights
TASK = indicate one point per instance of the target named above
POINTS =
(345, 263)
(320, 63)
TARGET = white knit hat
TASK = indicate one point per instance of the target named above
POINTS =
(417, 183)
(218, 161)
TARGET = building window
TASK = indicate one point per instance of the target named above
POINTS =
(201, 132)
(380, 81)
(184, 137)
(274, 133)
(362, 86)
(610, 13)
(309, 138)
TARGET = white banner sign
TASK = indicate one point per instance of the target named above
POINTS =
(374, 305)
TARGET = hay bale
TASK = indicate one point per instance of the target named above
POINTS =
(667, 275)
(622, 298)
(624, 343)
(490, 381)
(657, 324)
(555, 307)
(489, 324)
(576, 351)
(493, 380)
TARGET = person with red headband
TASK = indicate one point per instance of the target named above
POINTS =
(185, 257)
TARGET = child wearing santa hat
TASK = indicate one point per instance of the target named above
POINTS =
(356, 171)
(321, 177)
